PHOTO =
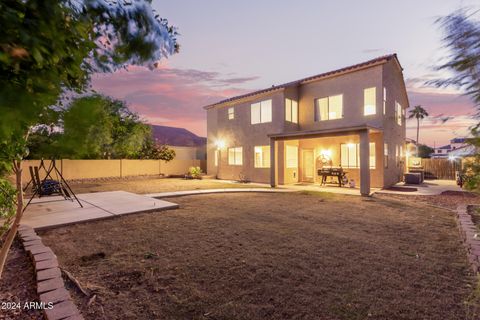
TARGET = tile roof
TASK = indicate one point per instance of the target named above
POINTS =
(352, 68)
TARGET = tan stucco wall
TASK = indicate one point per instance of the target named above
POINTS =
(239, 132)
(351, 86)
(393, 133)
(92, 169)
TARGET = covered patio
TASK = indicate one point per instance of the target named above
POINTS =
(354, 153)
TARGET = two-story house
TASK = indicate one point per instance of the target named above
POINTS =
(351, 118)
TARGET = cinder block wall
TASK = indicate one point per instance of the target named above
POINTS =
(118, 168)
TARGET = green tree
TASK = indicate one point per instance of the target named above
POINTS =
(424, 151)
(462, 39)
(151, 150)
(87, 128)
(48, 47)
(418, 113)
(91, 127)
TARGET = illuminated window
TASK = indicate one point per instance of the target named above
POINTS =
(329, 108)
(261, 112)
(385, 155)
(291, 110)
(398, 113)
(235, 156)
(262, 156)
(384, 100)
(372, 155)
(291, 156)
(231, 113)
(350, 155)
(216, 158)
(369, 105)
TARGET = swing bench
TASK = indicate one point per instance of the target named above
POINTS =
(49, 186)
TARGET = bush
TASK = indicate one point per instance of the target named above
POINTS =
(195, 172)
(7, 205)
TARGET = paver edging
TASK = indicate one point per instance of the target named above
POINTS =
(470, 236)
(56, 299)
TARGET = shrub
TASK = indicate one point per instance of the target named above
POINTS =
(195, 172)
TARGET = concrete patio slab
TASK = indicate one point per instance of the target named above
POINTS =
(428, 188)
(209, 191)
(49, 212)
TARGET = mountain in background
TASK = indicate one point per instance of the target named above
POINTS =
(176, 137)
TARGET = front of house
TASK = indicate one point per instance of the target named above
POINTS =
(351, 119)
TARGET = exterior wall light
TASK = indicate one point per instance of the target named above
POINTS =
(220, 144)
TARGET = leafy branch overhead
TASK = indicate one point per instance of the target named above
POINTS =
(462, 39)
(49, 46)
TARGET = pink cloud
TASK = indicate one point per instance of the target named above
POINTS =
(167, 96)
(451, 114)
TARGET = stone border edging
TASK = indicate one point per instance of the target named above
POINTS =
(470, 236)
(50, 284)
(208, 191)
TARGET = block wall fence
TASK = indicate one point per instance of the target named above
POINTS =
(185, 158)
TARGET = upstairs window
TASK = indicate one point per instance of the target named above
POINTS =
(369, 98)
(261, 112)
(262, 156)
(329, 108)
(291, 110)
(235, 156)
(384, 100)
(231, 113)
(398, 113)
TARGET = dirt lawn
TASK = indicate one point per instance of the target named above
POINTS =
(272, 256)
(153, 185)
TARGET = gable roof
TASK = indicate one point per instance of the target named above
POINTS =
(352, 68)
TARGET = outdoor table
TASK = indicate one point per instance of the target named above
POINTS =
(332, 172)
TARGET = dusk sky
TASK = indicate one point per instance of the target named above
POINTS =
(229, 48)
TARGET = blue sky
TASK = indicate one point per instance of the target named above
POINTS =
(231, 47)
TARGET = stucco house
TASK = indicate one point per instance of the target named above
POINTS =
(351, 119)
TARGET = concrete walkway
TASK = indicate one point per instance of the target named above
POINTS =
(209, 191)
(49, 212)
(428, 188)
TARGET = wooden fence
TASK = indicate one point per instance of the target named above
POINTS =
(440, 168)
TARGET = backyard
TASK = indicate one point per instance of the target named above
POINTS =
(300, 255)
(151, 185)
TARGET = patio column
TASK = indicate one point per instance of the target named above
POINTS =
(364, 163)
(273, 182)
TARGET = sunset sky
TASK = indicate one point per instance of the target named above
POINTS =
(229, 48)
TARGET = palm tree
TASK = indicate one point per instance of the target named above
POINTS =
(418, 113)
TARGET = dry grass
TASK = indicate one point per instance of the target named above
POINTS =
(152, 185)
(271, 256)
